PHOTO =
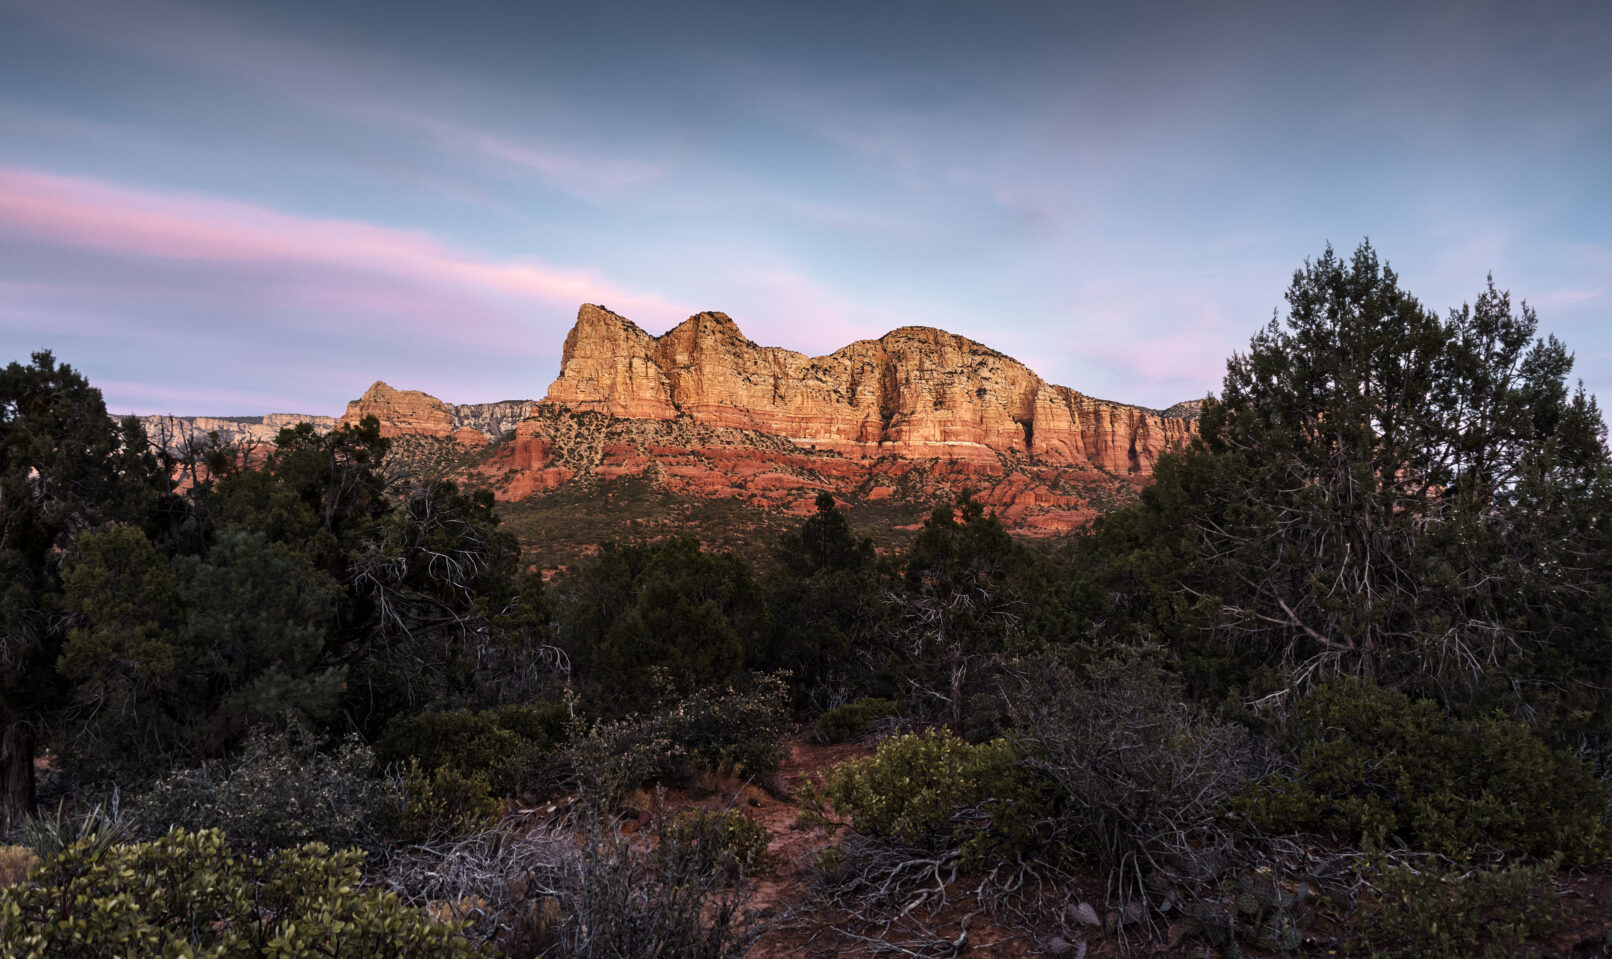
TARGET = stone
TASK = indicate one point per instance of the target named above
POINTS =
(401, 412)
(916, 392)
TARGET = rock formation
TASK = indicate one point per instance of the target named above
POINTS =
(916, 392)
(176, 433)
(412, 413)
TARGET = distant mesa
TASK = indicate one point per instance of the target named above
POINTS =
(916, 392)
(911, 417)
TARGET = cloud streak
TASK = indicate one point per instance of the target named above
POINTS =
(307, 252)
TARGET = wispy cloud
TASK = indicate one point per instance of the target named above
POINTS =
(373, 261)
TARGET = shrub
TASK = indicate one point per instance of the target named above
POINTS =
(1432, 914)
(728, 842)
(187, 894)
(740, 733)
(101, 825)
(1375, 764)
(282, 791)
(933, 788)
(614, 898)
(508, 745)
(1141, 777)
(443, 804)
(853, 720)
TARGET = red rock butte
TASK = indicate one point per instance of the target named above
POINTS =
(914, 393)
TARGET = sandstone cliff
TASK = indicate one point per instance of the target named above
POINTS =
(916, 392)
(412, 413)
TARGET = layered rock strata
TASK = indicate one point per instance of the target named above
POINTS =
(176, 433)
(412, 413)
(916, 392)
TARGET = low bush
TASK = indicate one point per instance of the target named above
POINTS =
(188, 894)
(445, 803)
(1376, 765)
(100, 826)
(508, 745)
(854, 720)
(739, 733)
(1141, 778)
(728, 842)
(1438, 914)
(932, 788)
(283, 790)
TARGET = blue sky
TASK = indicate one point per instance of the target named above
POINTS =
(238, 208)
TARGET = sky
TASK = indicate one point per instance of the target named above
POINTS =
(235, 208)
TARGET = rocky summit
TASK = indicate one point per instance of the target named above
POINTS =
(909, 419)
(917, 415)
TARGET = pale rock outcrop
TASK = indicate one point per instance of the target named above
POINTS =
(916, 392)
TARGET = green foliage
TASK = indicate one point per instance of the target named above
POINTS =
(639, 621)
(65, 466)
(98, 827)
(441, 804)
(1429, 914)
(281, 791)
(824, 543)
(506, 745)
(825, 601)
(934, 787)
(1375, 764)
(173, 660)
(737, 732)
(727, 842)
(187, 894)
(1383, 494)
(955, 619)
(853, 720)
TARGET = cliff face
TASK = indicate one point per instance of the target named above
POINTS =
(914, 393)
(412, 413)
(176, 432)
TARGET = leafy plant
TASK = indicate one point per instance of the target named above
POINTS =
(422, 807)
(282, 791)
(188, 894)
(933, 787)
(728, 841)
(1437, 914)
(738, 732)
(507, 745)
(853, 720)
(1377, 765)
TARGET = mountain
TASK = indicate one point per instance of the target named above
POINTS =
(916, 392)
(701, 429)
(909, 419)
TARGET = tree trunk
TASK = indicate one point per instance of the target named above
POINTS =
(16, 772)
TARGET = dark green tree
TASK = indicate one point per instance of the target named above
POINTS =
(65, 466)
(956, 610)
(1382, 494)
(644, 622)
(825, 602)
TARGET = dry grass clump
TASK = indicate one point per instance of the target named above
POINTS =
(16, 862)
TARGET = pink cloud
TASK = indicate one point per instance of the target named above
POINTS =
(372, 261)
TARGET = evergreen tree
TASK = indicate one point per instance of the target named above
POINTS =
(65, 466)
